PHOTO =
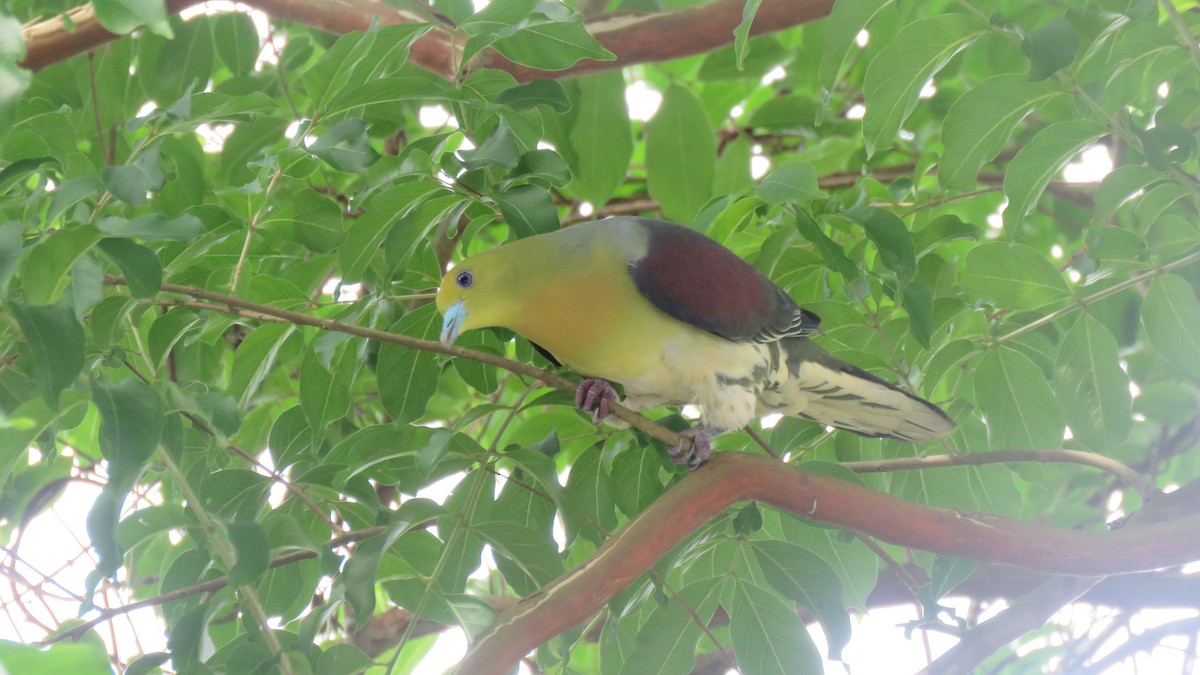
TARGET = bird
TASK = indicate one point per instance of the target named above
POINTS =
(675, 318)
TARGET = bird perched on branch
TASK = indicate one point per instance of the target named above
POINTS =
(675, 318)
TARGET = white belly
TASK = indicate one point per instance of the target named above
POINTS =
(722, 377)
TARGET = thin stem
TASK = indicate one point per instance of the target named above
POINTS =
(1185, 33)
(240, 307)
(237, 270)
(274, 475)
(762, 442)
(468, 514)
(1099, 295)
(228, 556)
(206, 587)
(1056, 456)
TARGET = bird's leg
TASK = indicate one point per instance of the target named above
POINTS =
(595, 396)
(694, 446)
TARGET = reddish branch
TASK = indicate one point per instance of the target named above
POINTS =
(732, 477)
(632, 38)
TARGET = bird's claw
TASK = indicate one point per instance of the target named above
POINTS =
(694, 447)
(596, 396)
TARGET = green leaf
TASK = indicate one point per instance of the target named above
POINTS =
(791, 182)
(139, 265)
(845, 22)
(56, 340)
(71, 193)
(153, 227)
(528, 210)
(534, 552)
(1039, 161)
(385, 210)
(1171, 317)
(1168, 402)
(13, 173)
(345, 147)
(1120, 186)
(917, 300)
(10, 250)
(979, 124)
(590, 488)
(499, 150)
(1050, 48)
(324, 395)
(343, 659)
(124, 16)
(526, 97)
(236, 40)
(408, 377)
(1091, 387)
(833, 255)
(601, 137)
(84, 658)
(289, 437)
(802, 576)
(251, 552)
(318, 221)
(1159, 198)
(132, 422)
(636, 471)
(44, 272)
(1014, 396)
(898, 73)
(544, 167)
(890, 236)
(255, 358)
(131, 182)
(551, 45)
(1013, 276)
(185, 63)
(666, 642)
(359, 574)
(741, 32)
(732, 173)
(681, 155)
(768, 636)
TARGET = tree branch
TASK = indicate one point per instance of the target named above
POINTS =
(1057, 456)
(729, 478)
(254, 310)
(633, 39)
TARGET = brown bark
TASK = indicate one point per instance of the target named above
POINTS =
(732, 477)
(633, 38)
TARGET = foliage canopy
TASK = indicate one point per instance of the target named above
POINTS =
(201, 222)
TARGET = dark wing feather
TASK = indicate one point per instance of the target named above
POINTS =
(696, 280)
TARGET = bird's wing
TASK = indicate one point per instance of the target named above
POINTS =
(696, 280)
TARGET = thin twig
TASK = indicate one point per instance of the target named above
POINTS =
(1185, 33)
(206, 587)
(240, 307)
(1100, 295)
(1054, 456)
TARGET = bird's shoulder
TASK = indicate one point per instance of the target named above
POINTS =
(700, 282)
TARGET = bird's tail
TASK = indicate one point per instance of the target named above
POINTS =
(829, 391)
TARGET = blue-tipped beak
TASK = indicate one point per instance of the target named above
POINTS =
(452, 322)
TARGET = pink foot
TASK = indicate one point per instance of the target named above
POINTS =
(595, 396)
(694, 447)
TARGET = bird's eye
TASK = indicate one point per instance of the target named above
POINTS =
(464, 279)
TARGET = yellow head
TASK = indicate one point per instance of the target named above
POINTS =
(482, 291)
